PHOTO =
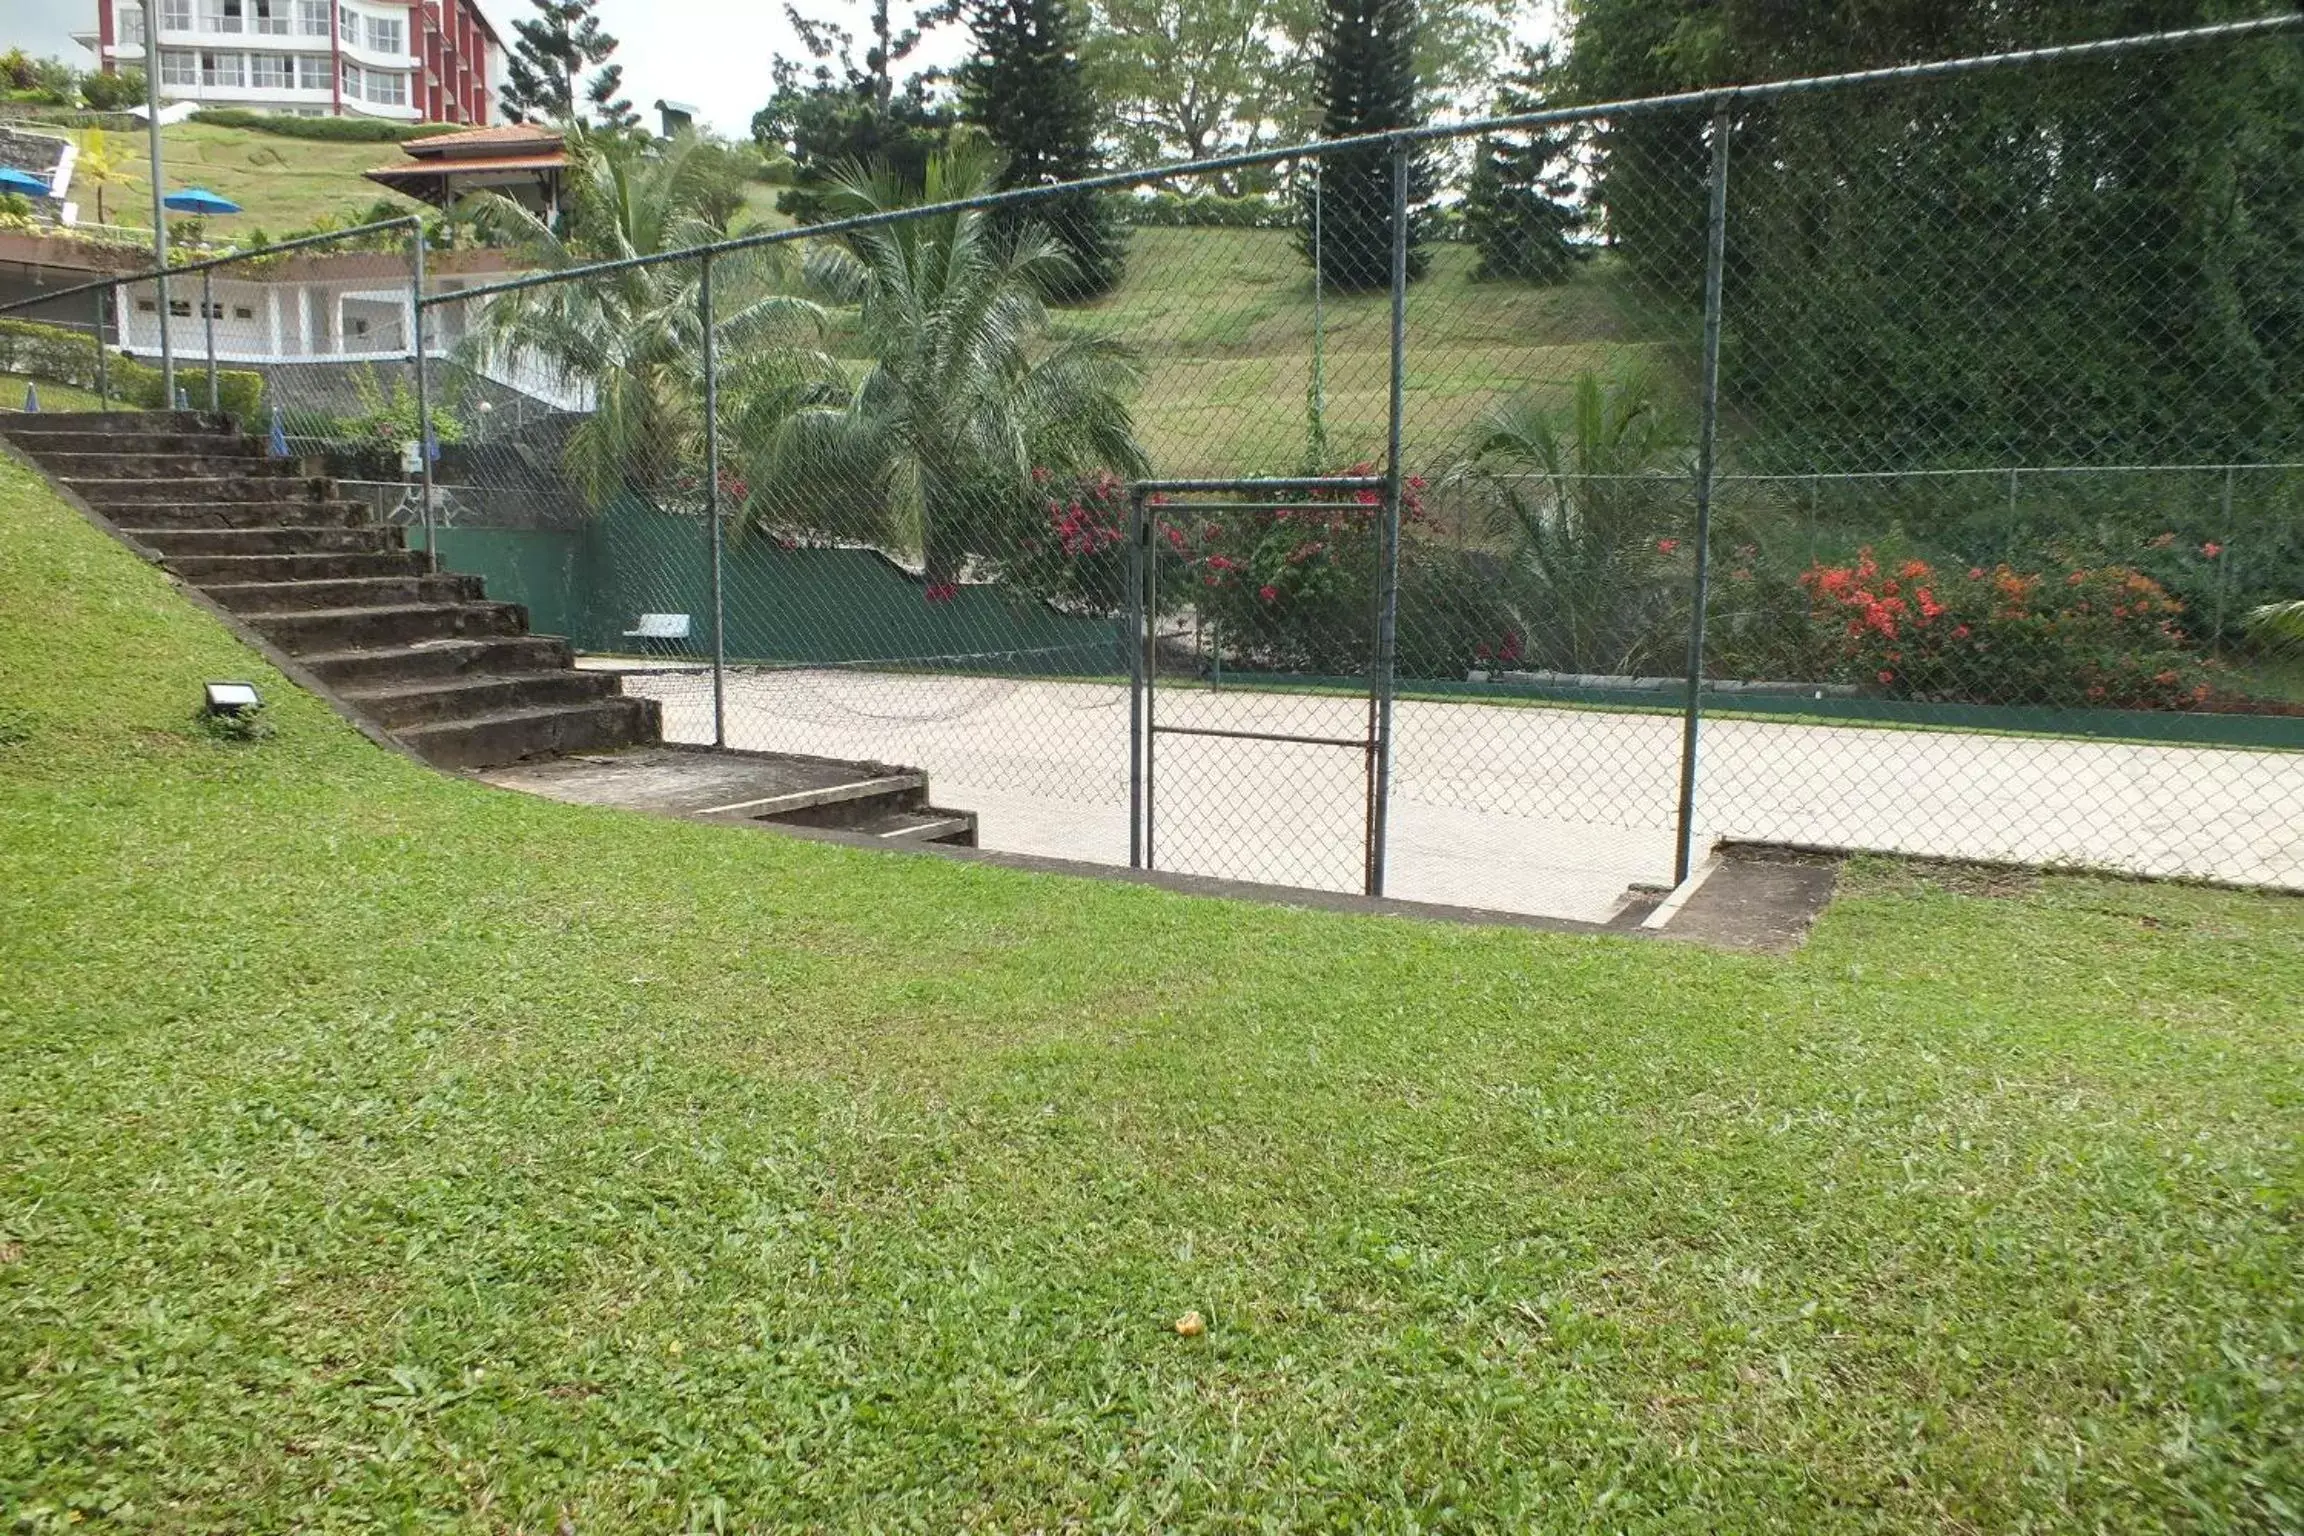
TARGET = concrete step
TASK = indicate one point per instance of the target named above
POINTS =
(307, 567)
(107, 491)
(114, 464)
(262, 597)
(41, 442)
(456, 698)
(851, 802)
(364, 629)
(110, 423)
(197, 543)
(382, 668)
(929, 825)
(238, 514)
(489, 741)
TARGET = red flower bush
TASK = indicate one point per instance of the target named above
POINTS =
(2106, 636)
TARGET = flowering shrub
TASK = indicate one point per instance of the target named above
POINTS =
(2105, 636)
(1070, 547)
(1292, 587)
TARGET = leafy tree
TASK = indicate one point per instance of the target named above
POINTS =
(1367, 77)
(843, 113)
(2102, 262)
(633, 338)
(542, 76)
(1523, 209)
(1025, 88)
(1195, 79)
(968, 392)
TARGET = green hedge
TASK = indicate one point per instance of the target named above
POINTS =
(67, 357)
(339, 130)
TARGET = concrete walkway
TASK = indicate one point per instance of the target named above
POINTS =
(1522, 808)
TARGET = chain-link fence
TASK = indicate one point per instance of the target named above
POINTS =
(1351, 529)
(1496, 514)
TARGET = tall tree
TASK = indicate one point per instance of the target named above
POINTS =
(2100, 261)
(555, 47)
(1523, 209)
(1194, 79)
(1367, 78)
(1024, 86)
(837, 113)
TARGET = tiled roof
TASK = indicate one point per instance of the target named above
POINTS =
(504, 135)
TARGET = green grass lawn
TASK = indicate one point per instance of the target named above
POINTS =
(53, 396)
(284, 184)
(382, 1151)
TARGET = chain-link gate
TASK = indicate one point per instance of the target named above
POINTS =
(1279, 776)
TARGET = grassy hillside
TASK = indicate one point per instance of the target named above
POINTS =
(284, 183)
(384, 1151)
(1225, 321)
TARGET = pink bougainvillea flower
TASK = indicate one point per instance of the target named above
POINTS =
(1666, 546)
(2211, 549)
(1268, 592)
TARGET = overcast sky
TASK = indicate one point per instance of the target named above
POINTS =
(712, 53)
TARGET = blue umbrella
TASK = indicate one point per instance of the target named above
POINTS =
(198, 200)
(13, 180)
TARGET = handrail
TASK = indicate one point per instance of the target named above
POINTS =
(210, 263)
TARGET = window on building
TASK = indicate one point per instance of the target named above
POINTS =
(271, 16)
(311, 72)
(221, 15)
(131, 19)
(312, 17)
(387, 36)
(270, 72)
(347, 26)
(223, 69)
(178, 67)
(243, 312)
(387, 89)
(351, 78)
(175, 15)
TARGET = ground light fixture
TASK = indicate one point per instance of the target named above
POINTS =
(233, 699)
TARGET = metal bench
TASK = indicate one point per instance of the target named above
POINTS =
(660, 632)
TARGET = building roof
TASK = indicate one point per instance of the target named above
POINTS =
(527, 138)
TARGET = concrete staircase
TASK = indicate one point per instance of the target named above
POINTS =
(425, 656)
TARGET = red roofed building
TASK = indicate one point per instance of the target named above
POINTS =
(429, 61)
(524, 161)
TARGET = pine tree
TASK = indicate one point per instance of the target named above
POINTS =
(554, 47)
(1367, 84)
(1024, 86)
(1522, 210)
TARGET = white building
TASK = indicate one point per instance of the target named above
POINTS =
(408, 60)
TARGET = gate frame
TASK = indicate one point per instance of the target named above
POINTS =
(1144, 728)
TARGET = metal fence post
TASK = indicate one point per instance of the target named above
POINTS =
(159, 202)
(208, 335)
(1388, 536)
(103, 359)
(712, 498)
(1707, 455)
(423, 393)
(1137, 537)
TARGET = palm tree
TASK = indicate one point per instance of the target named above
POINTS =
(101, 164)
(2277, 625)
(1574, 497)
(967, 390)
(632, 340)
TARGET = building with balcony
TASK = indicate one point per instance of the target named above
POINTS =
(429, 61)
